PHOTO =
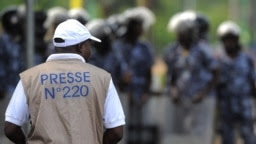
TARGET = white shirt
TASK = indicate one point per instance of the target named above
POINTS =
(18, 113)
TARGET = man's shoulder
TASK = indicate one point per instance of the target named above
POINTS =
(96, 69)
(33, 71)
(247, 58)
(36, 67)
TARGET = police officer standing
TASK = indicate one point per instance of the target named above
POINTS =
(136, 58)
(66, 100)
(235, 86)
(191, 76)
(103, 55)
(11, 57)
(11, 50)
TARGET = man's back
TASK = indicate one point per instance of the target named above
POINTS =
(66, 101)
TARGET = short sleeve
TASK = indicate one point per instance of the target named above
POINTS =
(113, 111)
(17, 110)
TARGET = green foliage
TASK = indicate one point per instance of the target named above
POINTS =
(163, 12)
(217, 13)
(46, 4)
(6, 3)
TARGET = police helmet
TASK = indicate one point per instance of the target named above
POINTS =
(79, 14)
(55, 16)
(10, 20)
(228, 28)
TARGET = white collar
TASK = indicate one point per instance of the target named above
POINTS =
(64, 56)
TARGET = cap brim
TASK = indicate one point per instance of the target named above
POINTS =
(95, 39)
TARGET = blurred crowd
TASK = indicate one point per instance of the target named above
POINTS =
(198, 75)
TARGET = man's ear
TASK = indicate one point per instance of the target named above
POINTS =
(79, 48)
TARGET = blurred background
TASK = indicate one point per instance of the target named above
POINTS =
(241, 11)
(32, 43)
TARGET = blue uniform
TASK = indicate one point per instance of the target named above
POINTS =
(190, 72)
(234, 96)
(11, 63)
(108, 62)
(136, 59)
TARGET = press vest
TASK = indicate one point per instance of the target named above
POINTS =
(66, 102)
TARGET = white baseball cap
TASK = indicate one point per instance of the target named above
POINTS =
(71, 32)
